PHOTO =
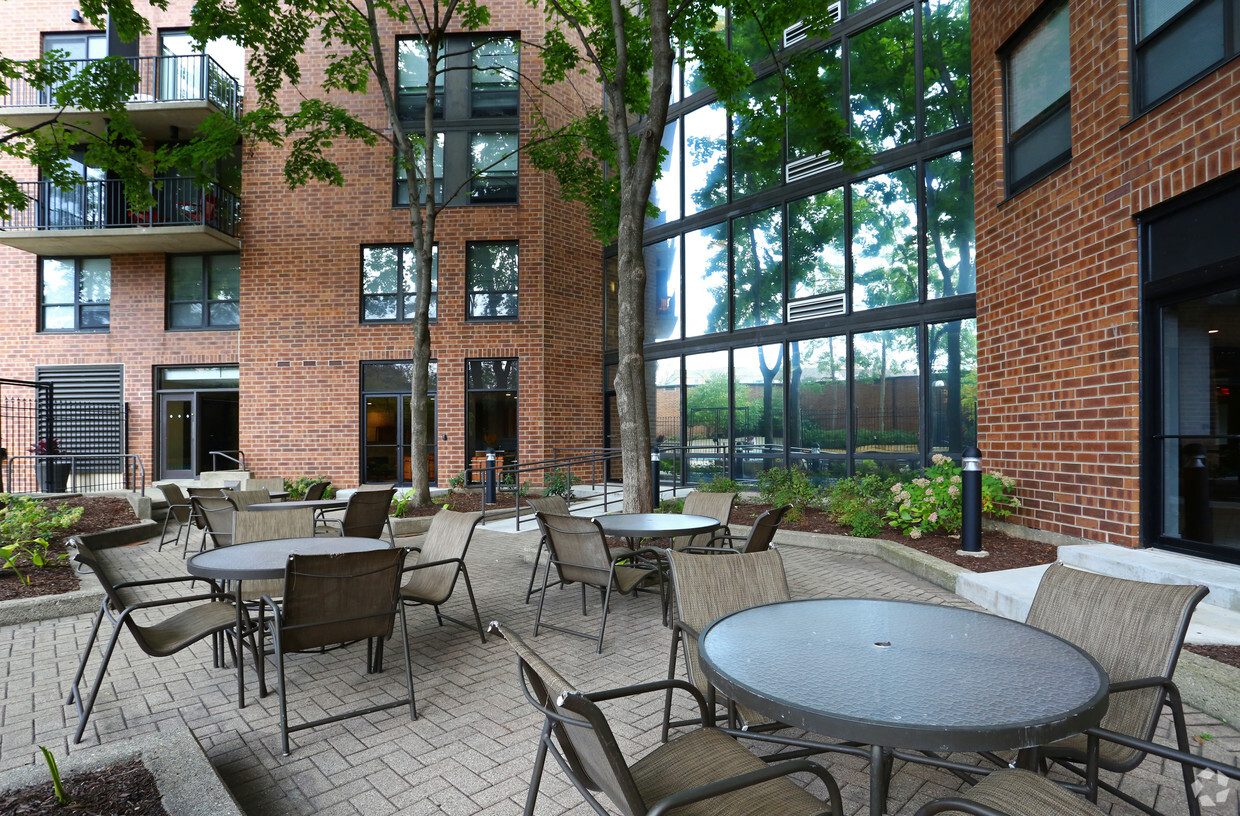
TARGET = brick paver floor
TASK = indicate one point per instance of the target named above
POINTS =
(471, 749)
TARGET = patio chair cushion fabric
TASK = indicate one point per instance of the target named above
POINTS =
(716, 505)
(1015, 793)
(244, 498)
(440, 562)
(269, 525)
(216, 513)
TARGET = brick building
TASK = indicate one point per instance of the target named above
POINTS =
(1108, 265)
(247, 317)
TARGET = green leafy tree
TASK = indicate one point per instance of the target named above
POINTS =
(630, 49)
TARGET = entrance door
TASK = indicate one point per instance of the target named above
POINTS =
(176, 429)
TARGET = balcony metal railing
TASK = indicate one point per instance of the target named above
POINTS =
(101, 203)
(186, 78)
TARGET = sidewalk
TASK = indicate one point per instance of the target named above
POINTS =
(471, 749)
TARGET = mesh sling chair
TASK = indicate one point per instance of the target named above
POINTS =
(552, 505)
(197, 520)
(761, 534)
(441, 561)
(179, 510)
(250, 526)
(272, 484)
(244, 498)
(1135, 630)
(217, 519)
(703, 773)
(366, 515)
(206, 613)
(335, 600)
(706, 588)
(315, 491)
(578, 550)
(716, 505)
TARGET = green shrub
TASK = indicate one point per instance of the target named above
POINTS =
(26, 525)
(793, 486)
(859, 503)
(457, 481)
(297, 487)
(933, 501)
(559, 482)
(719, 483)
(671, 506)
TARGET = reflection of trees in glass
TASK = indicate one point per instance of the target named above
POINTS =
(492, 279)
(816, 244)
(706, 150)
(823, 65)
(818, 394)
(949, 231)
(768, 363)
(662, 290)
(945, 57)
(879, 407)
(706, 280)
(757, 139)
(665, 192)
(884, 240)
(706, 398)
(953, 385)
(882, 83)
(758, 287)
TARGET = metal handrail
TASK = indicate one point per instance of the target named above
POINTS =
(169, 78)
(133, 472)
(237, 457)
(101, 203)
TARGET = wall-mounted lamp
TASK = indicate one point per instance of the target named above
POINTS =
(75, 16)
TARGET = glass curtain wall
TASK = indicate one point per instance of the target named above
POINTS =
(819, 317)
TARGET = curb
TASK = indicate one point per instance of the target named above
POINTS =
(188, 783)
(1205, 684)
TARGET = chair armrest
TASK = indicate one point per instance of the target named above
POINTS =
(174, 579)
(714, 550)
(1134, 685)
(954, 805)
(1165, 752)
(211, 596)
(686, 628)
(772, 771)
(708, 716)
(726, 537)
(439, 563)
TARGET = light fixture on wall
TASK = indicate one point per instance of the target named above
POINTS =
(75, 16)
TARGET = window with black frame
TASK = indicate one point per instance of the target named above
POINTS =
(75, 294)
(1176, 41)
(389, 283)
(401, 195)
(204, 291)
(491, 280)
(475, 116)
(491, 413)
(387, 425)
(1037, 97)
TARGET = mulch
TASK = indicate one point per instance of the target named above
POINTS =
(126, 788)
(101, 513)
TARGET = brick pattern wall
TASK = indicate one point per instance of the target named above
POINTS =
(1058, 273)
(301, 341)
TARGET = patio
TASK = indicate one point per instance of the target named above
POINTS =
(471, 749)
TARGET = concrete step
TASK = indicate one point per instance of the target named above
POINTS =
(1010, 592)
(1159, 566)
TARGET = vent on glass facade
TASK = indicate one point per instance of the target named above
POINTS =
(818, 306)
(809, 166)
(793, 34)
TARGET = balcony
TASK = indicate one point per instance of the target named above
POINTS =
(172, 92)
(93, 218)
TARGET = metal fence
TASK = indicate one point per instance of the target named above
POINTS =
(67, 445)
(101, 203)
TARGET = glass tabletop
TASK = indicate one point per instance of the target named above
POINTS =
(264, 560)
(655, 525)
(905, 675)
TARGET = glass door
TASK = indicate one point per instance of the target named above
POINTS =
(176, 429)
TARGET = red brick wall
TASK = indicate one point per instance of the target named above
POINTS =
(301, 341)
(1058, 274)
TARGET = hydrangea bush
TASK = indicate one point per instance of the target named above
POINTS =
(932, 502)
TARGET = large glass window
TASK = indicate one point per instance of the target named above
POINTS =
(949, 228)
(706, 158)
(663, 290)
(946, 55)
(757, 145)
(757, 410)
(402, 175)
(886, 393)
(389, 283)
(75, 294)
(816, 244)
(758, 283)
(1037, 111)
(706, 417)
(491, 413)
(665, 194)
(491, 280)
(204, 291)
(882, 83)
(387, 422)
(818, 405)
(706, 277)
(476, 111)
(801, 129)
(952, 397)
(884, 240)
(1176, 41)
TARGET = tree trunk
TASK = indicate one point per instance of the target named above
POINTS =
(631, 371)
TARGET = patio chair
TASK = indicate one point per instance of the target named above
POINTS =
(716, 505)
(556, 506)
(315, 491)
(1012, 792)
(199, 523)
(244, 498)
(1135, 630)
(761, 534)
(332, 601)
(217, 518)
(250, 526)
(706, 588)
(702, 773)
(206, 613)
(441, 561)
(366, 515)
(578, 550)
(272, 484)
(179, 510)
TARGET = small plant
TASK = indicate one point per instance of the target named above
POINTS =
(790, 486)
(297, 488)
(933, 501)
(859, 503)
(671, 506)
(58, 788)
(401, 503)
(458, 481)
(46, 447)
(559, 482)
(26, 526)
(719, 483)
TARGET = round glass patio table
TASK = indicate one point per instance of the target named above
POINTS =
(898, 674)
(655, 525)
(313, 504)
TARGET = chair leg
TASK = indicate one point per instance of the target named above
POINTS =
(603, 623)
(280, 690)
(163, 532)
(540, 760)
(671, 675)
(542, 596)
(90, 644)
(473, 604)
(85, 709)
(1181, 738)
(534, 572)
(404, 639)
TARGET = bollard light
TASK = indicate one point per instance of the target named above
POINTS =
(490, 486)
(971, 503)
(654, 477)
